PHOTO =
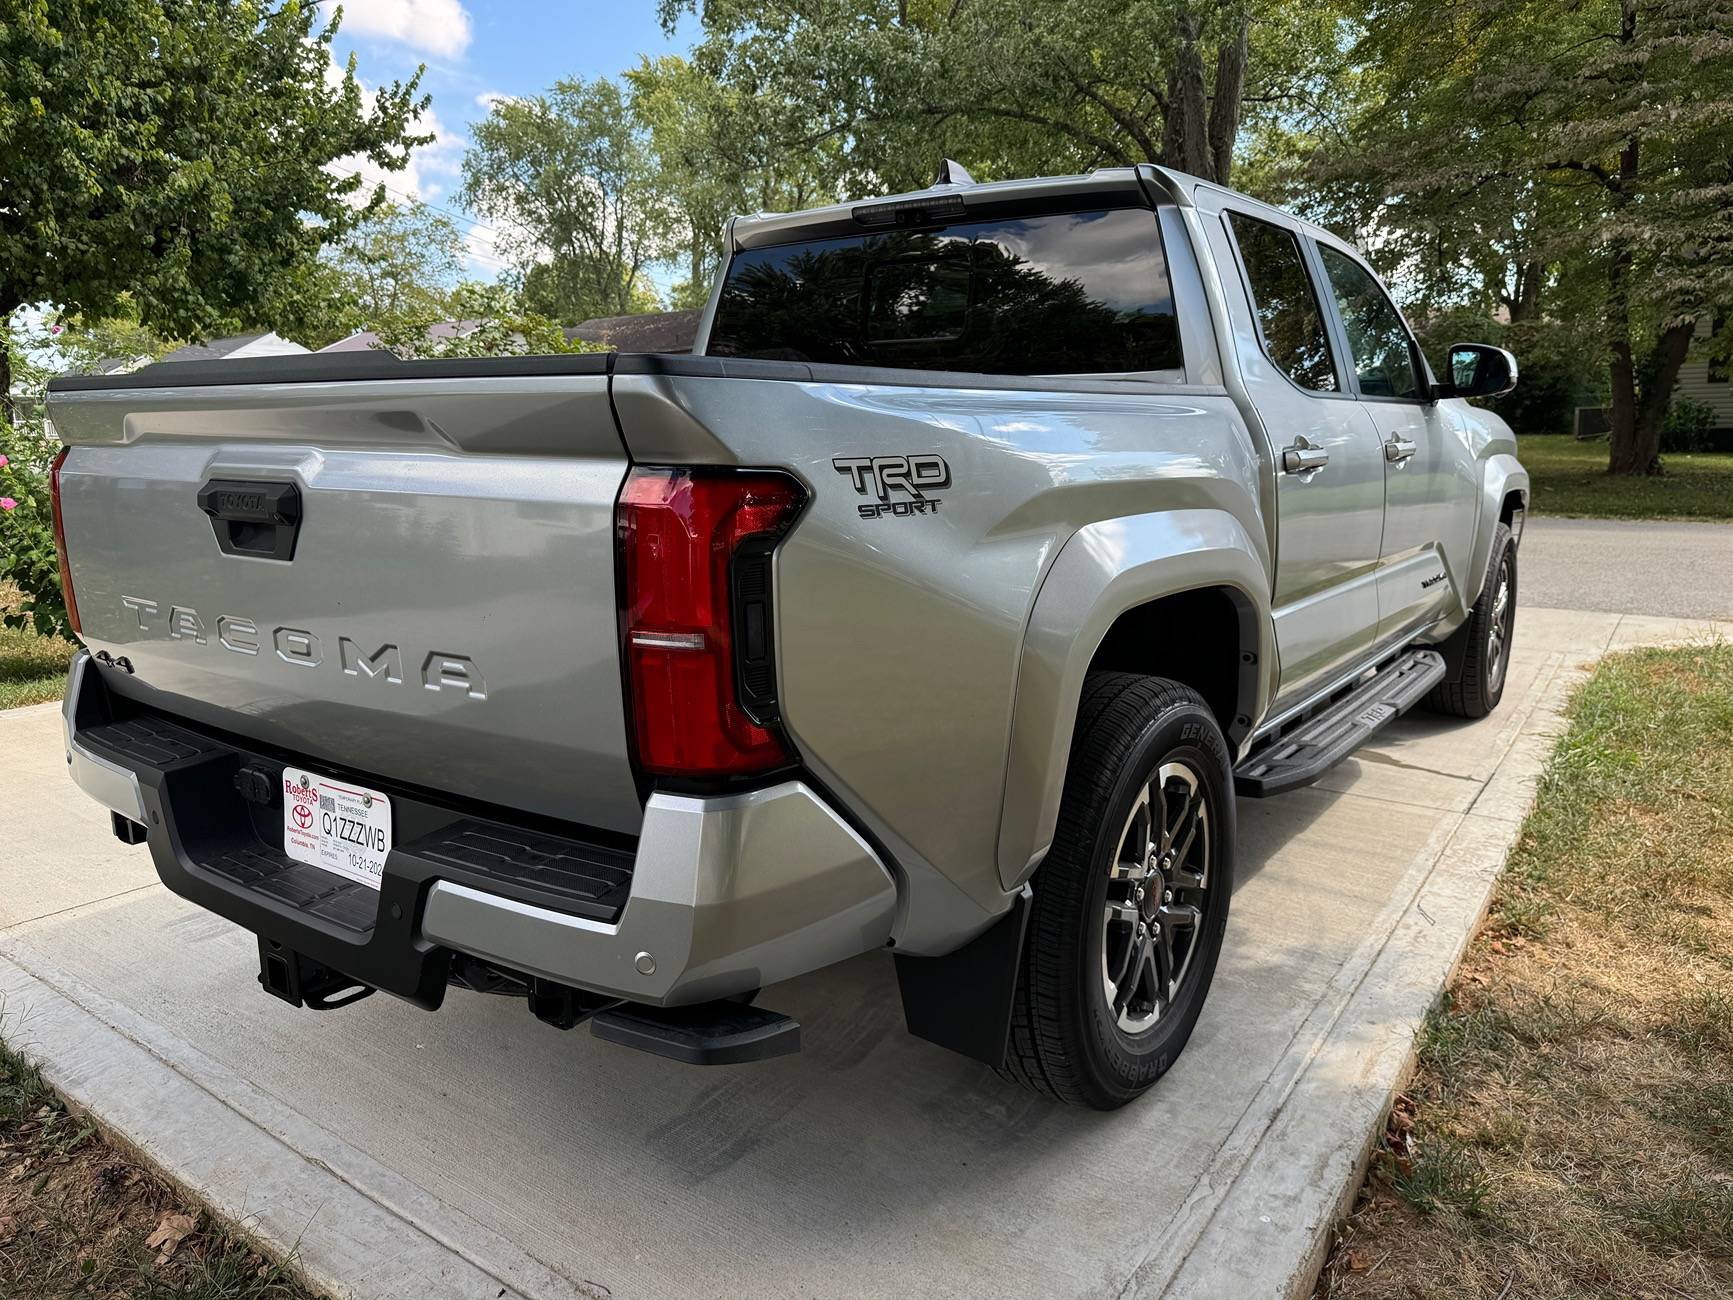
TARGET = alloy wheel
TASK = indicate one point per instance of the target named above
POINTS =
(1156, 889)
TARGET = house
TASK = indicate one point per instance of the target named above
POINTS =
(655, 331)
(366, 340)
(260, 343)
(120, 365)
(1704, 380)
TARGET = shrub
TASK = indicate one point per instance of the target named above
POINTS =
(1686, 426)
(1558, 363)
(27, 556)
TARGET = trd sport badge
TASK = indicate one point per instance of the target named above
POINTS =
(918, 476)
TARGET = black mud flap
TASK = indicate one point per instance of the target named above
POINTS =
(963, 1000)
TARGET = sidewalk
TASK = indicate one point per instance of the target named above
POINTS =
(478, 1153)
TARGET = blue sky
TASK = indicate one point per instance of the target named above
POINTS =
(476, 48)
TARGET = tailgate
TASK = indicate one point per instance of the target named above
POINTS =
(440, 613)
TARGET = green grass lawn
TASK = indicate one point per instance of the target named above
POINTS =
(32, 668)
(1570, 478)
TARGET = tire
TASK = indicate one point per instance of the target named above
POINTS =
(1482, 659)
(1078, 1034)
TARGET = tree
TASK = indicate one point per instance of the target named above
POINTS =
(84, 343)
(497, 324)
(399, 263)
(1561, 158)
(719, 152)
(1012, 89)
(178, 150)
(568, 177)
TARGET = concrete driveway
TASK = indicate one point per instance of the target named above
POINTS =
(478, 1153)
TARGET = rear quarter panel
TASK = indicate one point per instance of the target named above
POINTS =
(900, 638)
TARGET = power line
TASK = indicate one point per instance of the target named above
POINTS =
(432, 207)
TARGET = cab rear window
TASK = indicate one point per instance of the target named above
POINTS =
(1072, 293)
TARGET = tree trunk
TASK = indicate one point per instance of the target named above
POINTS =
(1524, 303)
(1224, 113)
(1625, 456)
(1633, 449)
(1660, 373)
(1185, 142)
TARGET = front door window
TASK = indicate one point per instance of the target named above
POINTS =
(1383, 352)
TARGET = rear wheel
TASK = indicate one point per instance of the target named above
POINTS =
(1481, 647)
(1131, 901)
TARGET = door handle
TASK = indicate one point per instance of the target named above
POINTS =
(1303, 457)
(256, 519)
(1398, 450)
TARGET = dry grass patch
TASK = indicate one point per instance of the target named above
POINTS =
(1569, 1132)
(78, 1219)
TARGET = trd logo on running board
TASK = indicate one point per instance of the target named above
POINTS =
(919, 476)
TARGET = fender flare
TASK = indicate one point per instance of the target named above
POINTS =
(1502, 475)
(1103, 570)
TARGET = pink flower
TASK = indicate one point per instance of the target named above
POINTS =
(7, 503)
(5, 461)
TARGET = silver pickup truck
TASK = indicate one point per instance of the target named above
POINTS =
(993, 540)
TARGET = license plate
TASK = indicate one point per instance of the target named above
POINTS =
(341, 827)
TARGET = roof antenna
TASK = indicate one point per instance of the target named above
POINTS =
(952, 172)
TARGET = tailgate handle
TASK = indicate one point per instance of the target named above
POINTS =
(256, 519)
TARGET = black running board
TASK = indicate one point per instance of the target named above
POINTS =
(712, 1033)
(1314, 746)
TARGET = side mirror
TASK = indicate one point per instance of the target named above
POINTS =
(1478, 370)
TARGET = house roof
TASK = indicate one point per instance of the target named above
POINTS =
(215, 349)
(656, 331)
(258, 343)
(363, 340)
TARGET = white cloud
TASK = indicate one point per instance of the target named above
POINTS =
(488, 98)
(430, 165)
(437, 27)
(481, 243)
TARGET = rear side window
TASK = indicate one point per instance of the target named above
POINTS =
(1287, 306)
(1383, 352)
(1075, 293)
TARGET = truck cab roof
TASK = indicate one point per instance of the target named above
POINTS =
(1140, 184)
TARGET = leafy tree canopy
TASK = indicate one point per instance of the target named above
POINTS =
(1553, 156)
(399, 263)
(719, 151)
(494, 322)
(177, 150)
(569, 179)
(1014, 89)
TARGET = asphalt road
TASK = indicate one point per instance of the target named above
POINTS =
(1626, 567)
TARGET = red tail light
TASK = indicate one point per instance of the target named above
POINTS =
(60, 543)
(688, 539)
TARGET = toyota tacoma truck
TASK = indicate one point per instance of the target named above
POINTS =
(993, 540)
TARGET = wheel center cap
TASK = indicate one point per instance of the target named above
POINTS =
(1149, 897)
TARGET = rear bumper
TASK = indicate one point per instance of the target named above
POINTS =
(718, 896)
